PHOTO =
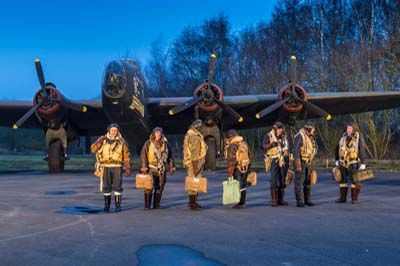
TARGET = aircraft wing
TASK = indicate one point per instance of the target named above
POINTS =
(92, 122)
(355, 102)
(248, 105)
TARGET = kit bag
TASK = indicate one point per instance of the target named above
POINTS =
(231, 193)
(144, 181)
(362, 175)
(314, 177)
(252, 179)
(197, 184)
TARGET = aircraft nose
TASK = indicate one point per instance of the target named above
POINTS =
(114, 80)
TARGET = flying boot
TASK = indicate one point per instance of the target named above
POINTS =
(307, 197)
(343, 193)
(107, 202)
(281, 195)
(117, 199)
(355, 191)
(242, 203)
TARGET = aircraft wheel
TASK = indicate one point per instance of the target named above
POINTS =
(211, 161)
(55, 160)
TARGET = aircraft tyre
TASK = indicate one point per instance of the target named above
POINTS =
(211, 161)
(55, 160)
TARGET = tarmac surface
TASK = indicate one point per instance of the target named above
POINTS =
(57, 219)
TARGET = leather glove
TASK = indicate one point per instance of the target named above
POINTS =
(362, 166)
(297, 165)
(196, 169)
(143, 170)
(336, 163)
(171, 170)
(99, 141)
(230, 170)
(127, 166)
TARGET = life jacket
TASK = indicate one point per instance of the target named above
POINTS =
(279, 151)
(157, 157)
(111, 152)
(242, 154)
(308, 149)
(194, 146)
(348, 150)
(274, 151)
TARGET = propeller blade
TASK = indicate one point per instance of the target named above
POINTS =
(185, 105)
(229, 110)
(211, 70)
(26, 116)
(293, 71)
(315, 109)
(40, 75)
(74, 106)
(271, 108)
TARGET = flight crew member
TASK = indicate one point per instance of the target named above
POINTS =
(276, 148)
(304, 151)
(238, 160)
(113, 154)
(155, 156)
(194, 153)
(350, 157)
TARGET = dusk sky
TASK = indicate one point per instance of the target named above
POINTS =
(74, 39)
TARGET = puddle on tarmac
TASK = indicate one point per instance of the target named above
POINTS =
(81, 210)
(172, 255)
(60, 192)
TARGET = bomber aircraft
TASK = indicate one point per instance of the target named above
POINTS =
(124, 101)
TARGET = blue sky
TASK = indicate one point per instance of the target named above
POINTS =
(74, 39)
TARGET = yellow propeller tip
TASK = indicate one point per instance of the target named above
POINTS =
(37, 60)
(84, 109)
(293, 57)
(213, 56)
(328, 117)
(170, 112)
(240, 120)
(15, 126)
(258, 116)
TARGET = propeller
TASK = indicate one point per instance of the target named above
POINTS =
(208, 94)
(46, 98)
(293, 95)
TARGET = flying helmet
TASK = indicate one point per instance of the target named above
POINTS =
(232, 133)
(113, 125)
(158, 129)
(278, 125)
(309, 125)
(197, 123)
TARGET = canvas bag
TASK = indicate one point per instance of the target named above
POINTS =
(144, 181)
(197, 184)
(231, 193)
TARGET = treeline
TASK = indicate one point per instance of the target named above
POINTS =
(340, 45)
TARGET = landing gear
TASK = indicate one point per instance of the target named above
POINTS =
(211, 161)
(56, 159)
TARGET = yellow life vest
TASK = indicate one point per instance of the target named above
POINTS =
(348, 150)
(111, 154)
(274, 151)
(194, 146)
(308, 149)
(155, 156)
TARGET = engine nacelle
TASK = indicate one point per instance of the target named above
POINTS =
(207, 103)
(292, 105)
(50, 108)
